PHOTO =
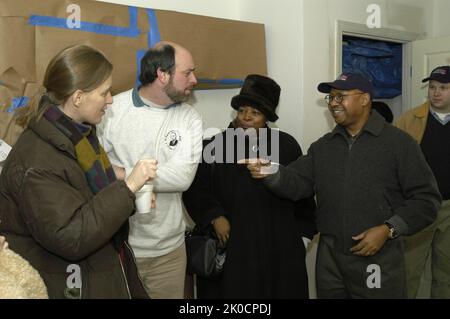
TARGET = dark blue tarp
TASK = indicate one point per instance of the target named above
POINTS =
(379, 61)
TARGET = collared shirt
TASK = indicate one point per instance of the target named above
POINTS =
(139, 101)
(441, 118)
(371, 127)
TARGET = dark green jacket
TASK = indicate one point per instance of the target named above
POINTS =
(52, 219)
(381, 176)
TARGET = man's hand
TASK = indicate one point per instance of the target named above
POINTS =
(371, 241)
(259, 168)
(222, 228)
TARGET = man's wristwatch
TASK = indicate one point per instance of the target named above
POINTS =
(392, 232)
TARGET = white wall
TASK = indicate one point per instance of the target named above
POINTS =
(300, 37)
(213, 8)
(441, 25)
(283, 27)
(319, 24)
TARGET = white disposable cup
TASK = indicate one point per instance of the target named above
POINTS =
(270, 169)
(144, 199)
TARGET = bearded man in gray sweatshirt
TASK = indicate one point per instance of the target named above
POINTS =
(152, 121)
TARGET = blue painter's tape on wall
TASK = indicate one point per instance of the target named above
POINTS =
(153, 38)
(153, 34)
(18, 102)
(132, 31)
(133, 11)
(222, 81)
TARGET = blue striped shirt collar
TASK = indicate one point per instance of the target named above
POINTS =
(439, 119)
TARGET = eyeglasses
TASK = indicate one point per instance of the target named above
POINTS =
(338, 97)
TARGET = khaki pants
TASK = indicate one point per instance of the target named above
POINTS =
(164, 276)
(432, 242)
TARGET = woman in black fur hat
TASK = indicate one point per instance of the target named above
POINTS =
(263, 233)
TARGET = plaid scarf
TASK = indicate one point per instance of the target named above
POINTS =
(90, 154)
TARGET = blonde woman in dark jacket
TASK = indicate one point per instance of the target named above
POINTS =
(62, 208)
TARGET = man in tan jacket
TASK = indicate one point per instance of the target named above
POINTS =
(429, 125)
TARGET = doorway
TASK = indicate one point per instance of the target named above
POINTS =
(384, 41)
(380, 61)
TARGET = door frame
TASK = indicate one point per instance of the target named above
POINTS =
(381, 34)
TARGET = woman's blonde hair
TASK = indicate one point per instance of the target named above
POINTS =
(77, 67)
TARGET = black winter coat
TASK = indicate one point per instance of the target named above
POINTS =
(265, 252)
(381, 176)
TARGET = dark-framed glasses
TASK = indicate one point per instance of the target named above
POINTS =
(338, 98)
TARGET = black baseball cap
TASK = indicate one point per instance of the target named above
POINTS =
(440, 74)
(348, 81)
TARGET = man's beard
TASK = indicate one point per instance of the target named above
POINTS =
(177, 96)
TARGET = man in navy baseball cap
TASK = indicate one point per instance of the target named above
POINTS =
(349, 101)
(373, 185)
(441, 74)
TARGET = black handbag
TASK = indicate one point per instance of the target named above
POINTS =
(205, 254)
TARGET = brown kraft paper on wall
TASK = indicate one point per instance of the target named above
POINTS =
(32, 32)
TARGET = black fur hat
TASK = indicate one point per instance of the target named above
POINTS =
(259, 92)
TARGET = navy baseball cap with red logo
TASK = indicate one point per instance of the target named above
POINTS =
(348, 81)
(440, 74)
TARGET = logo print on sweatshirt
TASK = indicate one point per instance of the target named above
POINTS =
(172, 139)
